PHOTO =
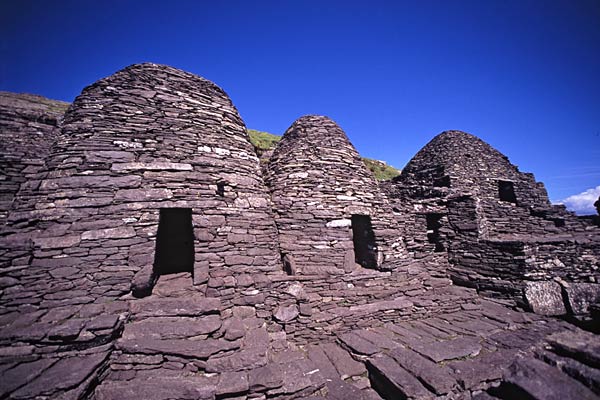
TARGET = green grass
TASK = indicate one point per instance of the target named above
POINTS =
(267, 141)
(263, 140)
(380, 169)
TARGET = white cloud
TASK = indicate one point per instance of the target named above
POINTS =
(582, 203)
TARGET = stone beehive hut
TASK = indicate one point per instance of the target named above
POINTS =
(467, 165)
(501, 233)
(330, 214)
(152, 173)
(28, 127)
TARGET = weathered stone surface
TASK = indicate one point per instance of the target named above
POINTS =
(581, 295)
(151, 166)
(82, 226)
(393, 381)
(449, 349)
(544, 298)
(109, 233)
(157, 388)
(286, 313)
(537, 380)
(264, 378)
(479, 372)
(200, 349)
(62, 375)
(343, 362)
(580, 345)
(358, 344)
(176, 307)
(436, 378)
(57, 242)
(22, 374)
(143, 281)
(232, 383)
(172, 327)
(318, 183)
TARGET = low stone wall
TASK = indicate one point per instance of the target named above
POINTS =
(310, 308)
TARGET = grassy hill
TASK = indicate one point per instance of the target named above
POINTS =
(266, 141)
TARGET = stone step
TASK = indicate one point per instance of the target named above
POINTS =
(157, 388)
(174, 307)
(172, 327)
(193, 349)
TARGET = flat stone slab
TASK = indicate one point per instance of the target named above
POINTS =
(580, 345)
(175, 307)
(157, 388)
(477, 372)
(393, 381)
(358, 344)
(540, 381)
(22, 374)
(544, 298)
(449, 349)
(300, 376)
(436, 378)
(199, 349)
(172, 327)
(65, 374)
(581, 295)
(343, 361)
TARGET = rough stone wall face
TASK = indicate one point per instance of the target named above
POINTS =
(28, 127)
(318, 182)
(146, 138)
(466, 164)
(496, 223)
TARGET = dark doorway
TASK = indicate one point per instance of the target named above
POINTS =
(433, 230)
(174, 242)
(365, 248)
(506, 190)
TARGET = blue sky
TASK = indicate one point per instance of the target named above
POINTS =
(522, 75)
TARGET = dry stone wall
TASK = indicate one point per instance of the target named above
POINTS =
(28, 127)
(501, 234)
(321, 192)
(145, 139)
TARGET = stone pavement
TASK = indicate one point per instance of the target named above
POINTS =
(177, 344)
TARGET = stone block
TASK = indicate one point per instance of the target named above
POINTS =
(544, 298)
(581, 295)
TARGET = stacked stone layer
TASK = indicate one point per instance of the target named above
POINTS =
(500, 246)
(145, 138)
(28, 127)
(318, 182)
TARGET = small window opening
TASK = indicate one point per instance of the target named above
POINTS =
(363, 237)
(559, 222)
(288, 264)
(506, 190)
(433, 230)
(444, 181)
(221, 188)
(174, 242)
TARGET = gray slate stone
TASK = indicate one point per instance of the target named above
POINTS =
(544, 298)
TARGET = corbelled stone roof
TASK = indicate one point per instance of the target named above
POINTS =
(318, 182)
(147, 138)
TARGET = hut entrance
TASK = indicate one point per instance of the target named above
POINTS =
(433, 230)
(365, 248)
(174, 242)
